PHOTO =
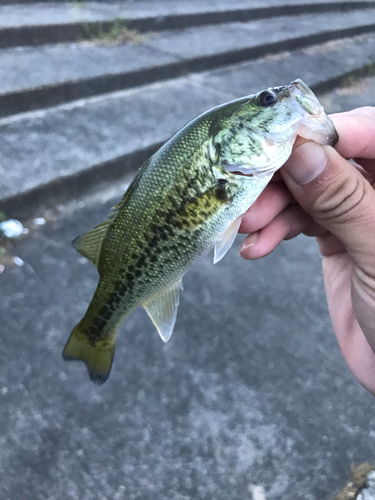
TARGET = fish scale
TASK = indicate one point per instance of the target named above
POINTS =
(187, 198)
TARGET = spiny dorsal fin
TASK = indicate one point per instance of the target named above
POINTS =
(115, 210)
(90, 244)
(163, 310)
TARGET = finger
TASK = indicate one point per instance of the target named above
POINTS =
(270, 203)
(314, 229)
(337, 196)
(356, 130)
(288, 224)
(368, 166)
(353, 343)
(276, 177)
(329, 244)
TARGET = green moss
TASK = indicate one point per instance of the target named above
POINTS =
(111, 32)
(351, 78)
(79, 4)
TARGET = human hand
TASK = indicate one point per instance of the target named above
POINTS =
(319, 193)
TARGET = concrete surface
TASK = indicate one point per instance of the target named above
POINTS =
(63, 62)
(64, 12)
(54, 23)
(318, 65)
(23, 68)
(204, 41)
(76, 138)
(250, 390)
(71, 12)
(368, 493)
(49, 75)
(355, 93)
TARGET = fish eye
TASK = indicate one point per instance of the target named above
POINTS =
(267, 98)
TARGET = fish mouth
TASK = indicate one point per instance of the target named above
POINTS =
(322, 127)
(315, 124)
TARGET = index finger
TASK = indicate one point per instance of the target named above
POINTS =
(356, 131)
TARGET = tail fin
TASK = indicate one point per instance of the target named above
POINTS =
(97, 356)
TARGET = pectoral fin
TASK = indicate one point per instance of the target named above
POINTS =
(226, 240)
(163, 310)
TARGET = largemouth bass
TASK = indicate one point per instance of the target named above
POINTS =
(187, 198)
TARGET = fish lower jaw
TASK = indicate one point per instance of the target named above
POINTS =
(320, 129)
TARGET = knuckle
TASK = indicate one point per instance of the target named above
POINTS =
(343, 200)
(365, 278)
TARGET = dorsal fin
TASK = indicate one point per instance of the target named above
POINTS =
(115, 210)
(90, 243)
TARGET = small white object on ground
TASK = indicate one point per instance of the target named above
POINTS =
(2, 268)
(11, 228)
(18, 261)
(257, 492)
(39, 221)
(368, 493)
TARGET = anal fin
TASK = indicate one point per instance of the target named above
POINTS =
(163, 310)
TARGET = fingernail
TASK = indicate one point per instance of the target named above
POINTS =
(306, 163)
(250, 241)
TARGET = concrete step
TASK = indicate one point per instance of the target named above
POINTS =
(71, 148)
(41, 23)
(33, 78)
(355, 93)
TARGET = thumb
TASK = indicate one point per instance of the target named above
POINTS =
(335, 193)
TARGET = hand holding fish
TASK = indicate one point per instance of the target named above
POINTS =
(320, 193)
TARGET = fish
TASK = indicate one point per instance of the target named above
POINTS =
(186, 199)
